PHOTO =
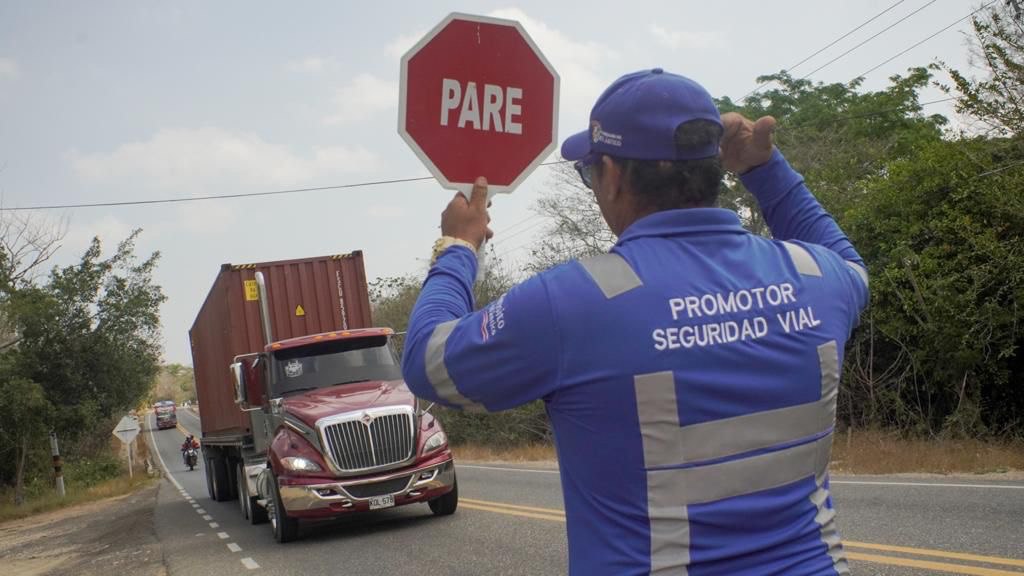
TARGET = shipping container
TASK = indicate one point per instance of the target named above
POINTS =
(306, 296)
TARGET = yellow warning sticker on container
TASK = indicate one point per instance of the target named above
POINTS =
(252, 291)
(299, 311)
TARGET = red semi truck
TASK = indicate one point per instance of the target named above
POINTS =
(304, 412)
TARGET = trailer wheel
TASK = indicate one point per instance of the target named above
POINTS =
(251, 511)
(217, 482)
(285, 529)
(447, 504)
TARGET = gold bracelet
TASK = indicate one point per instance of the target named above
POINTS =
(445, 242)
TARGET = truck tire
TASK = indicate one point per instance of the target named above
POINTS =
(285, 528)
(447, 504)
(217, 482)
(251, 511)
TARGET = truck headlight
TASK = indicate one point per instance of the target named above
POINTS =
(434, 442)
(300, 464)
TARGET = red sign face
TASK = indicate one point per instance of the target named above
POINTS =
(478, 99)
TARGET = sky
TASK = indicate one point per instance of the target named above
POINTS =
(113, 101)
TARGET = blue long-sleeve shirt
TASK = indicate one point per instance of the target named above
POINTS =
(690, 376)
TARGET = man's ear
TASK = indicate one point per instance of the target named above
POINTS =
(611, 178)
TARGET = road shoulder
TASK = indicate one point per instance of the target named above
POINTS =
(94, 539)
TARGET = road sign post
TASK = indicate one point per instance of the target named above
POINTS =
(477, 98)
(126, 431)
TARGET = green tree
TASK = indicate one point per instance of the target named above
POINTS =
(90, 336)
(24, 414)
(942, 232)
(996, 101)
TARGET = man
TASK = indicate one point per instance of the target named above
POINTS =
(190, 442)
(690, 375)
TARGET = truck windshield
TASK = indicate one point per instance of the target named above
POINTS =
(333, 363)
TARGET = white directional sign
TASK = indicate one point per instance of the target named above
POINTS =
(127, 429)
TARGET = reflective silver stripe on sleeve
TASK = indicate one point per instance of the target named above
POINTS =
(437, 372)
(668, 444)
(802, 259)
(612, 274)
(826, 519)
(700, 484)
(860, 270)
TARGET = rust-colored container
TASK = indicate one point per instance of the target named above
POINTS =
(306, 296)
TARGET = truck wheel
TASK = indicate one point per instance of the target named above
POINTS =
(447, 504)
(251, 511)
(285, 529)
(217, 479)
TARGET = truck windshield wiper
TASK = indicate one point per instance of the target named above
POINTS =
(297, 390)
(352, 381)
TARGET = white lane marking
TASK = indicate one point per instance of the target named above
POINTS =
(850, 482)
(194, 505)
(200, 510)
(214, 525)
(222, 535)
(207, 517)
(928, 484)
(234, 547)
(163, 464)
(250, 563)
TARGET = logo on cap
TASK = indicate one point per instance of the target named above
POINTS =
(597, 134)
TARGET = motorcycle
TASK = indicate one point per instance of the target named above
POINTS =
(191, 457)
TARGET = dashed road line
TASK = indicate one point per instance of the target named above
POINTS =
(214, 525)
(223, 535)
(250, 563)
(200, 510)
(207, 517)
(234, 547)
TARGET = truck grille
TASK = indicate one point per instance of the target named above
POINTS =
(359, 445)
(392, 486)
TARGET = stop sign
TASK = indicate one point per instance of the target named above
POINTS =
(478, 99)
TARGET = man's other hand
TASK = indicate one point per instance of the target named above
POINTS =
(468, 219)
(746, 144)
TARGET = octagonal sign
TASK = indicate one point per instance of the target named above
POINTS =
(478, 99)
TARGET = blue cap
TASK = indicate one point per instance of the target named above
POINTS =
(637, 116)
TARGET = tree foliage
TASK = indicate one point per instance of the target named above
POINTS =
(87, 342)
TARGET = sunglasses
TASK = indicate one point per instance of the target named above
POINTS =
(585, 168)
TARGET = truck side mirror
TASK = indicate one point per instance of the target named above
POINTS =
(248, 383)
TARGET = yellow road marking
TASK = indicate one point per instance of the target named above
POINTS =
(938, 553)
(547, 511)
(558, 515)
(930, 565)
(463, 504)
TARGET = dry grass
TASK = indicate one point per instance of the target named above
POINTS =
(107, 489)
(530, 453)
(860, 452)
(877, 452)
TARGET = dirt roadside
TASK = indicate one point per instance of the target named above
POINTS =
(114, 535)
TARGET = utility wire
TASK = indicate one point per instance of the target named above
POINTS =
(891, 58)
(826, 47)
(876, 35)
(229, 196)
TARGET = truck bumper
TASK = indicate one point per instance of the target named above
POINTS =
(314, 498)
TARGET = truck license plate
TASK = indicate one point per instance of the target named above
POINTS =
(379, 502)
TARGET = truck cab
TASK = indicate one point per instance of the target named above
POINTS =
(342, 432)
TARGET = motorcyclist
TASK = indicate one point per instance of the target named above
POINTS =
(190, 442)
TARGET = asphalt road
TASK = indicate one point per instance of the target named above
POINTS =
(510, 521)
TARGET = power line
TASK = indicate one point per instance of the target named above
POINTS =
(826, 47)
(925, 40)
(230, 196)
(876, 35)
